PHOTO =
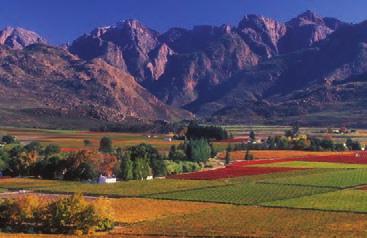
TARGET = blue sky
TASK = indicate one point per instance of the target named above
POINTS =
(61, 21)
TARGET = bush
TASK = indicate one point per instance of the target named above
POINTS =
(71, 215)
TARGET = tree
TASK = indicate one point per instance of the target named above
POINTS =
(72, 214)
(252, 136)
(51, 149)
(34, 146)
(248, 155)
(213, 151)
(196, 131)
(9, 139)
(176, 155)
(105, 145)
(87, 143)
(147, 151)
(227, 159)
(198, 150)
(48, 168)
(4, 161)
(126, 167)
(353, 145)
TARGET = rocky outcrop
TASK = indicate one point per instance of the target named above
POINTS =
(18, 38)
(158, 61)
(126, 45)
(262, 34)
(306, 30)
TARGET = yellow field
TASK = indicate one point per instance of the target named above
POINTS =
(278, 154)
(193, 219)
(69, 140)
(133, 210)
(242, 221)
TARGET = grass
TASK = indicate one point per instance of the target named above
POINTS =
(334, 178)
(319, 165)
(244, 194)
(345, 200)
(123, 189)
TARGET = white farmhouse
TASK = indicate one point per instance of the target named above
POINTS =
(106, 180)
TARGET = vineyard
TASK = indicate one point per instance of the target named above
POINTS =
(312, 194)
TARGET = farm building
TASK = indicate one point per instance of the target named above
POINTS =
(106, 180)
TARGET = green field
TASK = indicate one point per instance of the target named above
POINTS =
(244, 194)
(123, 189)
(345, 200)
(333, 179)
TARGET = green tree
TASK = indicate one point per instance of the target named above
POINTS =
(147, 151)
(105, 145)
(198, 150)
(4, 161)
(51, 149)
(126, 167)
(9, 139)
(33, 146)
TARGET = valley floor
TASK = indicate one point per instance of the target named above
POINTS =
(311, 194)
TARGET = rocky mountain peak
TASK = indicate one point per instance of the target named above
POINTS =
(262, 33)
(308, 17)
(18, 38)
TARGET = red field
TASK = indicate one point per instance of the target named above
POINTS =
(239, 169)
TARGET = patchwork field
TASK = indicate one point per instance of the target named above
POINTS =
(281, 194)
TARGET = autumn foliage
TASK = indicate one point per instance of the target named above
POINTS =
(69, 215)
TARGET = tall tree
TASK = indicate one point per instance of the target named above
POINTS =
(105, 145)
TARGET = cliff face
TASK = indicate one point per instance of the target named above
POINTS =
(126, 45)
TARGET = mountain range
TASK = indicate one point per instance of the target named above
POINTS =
(310, 69)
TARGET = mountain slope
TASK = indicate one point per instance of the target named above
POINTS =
(322, 85)
(42, 82)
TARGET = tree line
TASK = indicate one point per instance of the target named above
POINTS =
(133, 163)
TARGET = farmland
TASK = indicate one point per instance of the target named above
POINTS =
(284, 192)
(71, 140)
(120, 189)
